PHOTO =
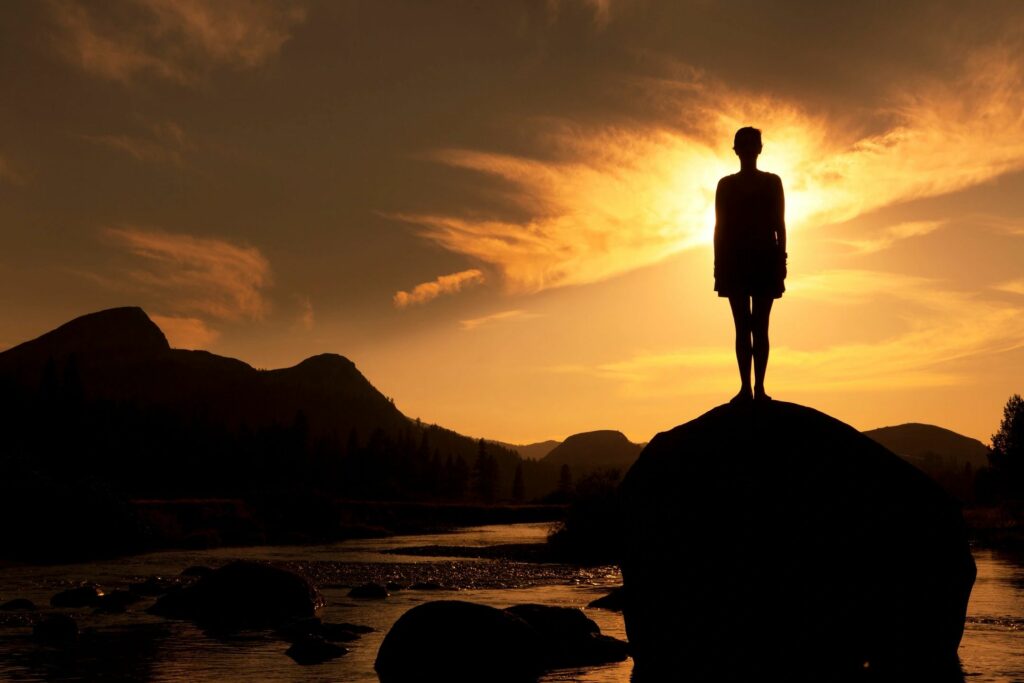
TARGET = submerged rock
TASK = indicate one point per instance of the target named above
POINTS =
(788, 536)
(372, 591)
(569, 638)
(459, 642)
(611, 602)
(116, 601)
(18, 604)
(426, 586)
(309, 649)
(86, 595)
(243, 594)
(313, 626)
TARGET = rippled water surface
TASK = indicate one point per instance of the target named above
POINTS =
(138, 646)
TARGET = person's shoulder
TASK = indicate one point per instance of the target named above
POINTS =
(771, 177)
(727, 180)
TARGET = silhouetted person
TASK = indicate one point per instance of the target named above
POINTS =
(750, 256)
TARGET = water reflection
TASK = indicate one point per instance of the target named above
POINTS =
(138, 646)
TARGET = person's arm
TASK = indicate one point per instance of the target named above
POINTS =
(719, 219)
(780, 223)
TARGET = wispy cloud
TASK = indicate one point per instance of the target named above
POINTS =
(186, 333)
(164, 143)
(886, 237)
(942, 327)
(177, 40)
(473, 323)
(444, 284)
(1012, 286)
(196, 275)
(617, 198)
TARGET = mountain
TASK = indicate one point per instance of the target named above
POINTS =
(138, 404)
(530, 451)
(930, 447)
(121, 355)
(602, 449)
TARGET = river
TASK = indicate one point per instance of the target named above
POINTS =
(137, 646)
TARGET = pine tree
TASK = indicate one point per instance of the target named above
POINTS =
(1007, 456)
(565, 480)
(485, 473)
(518, 486)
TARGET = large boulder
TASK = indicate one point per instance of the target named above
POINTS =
(459, 642)
(243, 594)
(769, 535)
(569, 637)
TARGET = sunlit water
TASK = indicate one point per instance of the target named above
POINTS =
(137, 646)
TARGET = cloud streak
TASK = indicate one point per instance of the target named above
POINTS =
(473, 323)
(617, 198)
(197, 275)
(443, 284)
(165, 143)
(176, 40)
(888, 236)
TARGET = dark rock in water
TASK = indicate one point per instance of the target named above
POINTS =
(197, 570)
(373, 591)
(87, 595)
(459, 642)
(788, 537)
(426, 586)
(612, 602)
(338, 633)
(243, 594)
(313, 626)
(569, 638)
(116, 601)
(18, 604)
(56, 629)
(394, 586)
(310, 649)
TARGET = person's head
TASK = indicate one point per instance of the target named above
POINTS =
(747, 142)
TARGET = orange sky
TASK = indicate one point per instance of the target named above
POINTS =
(502, 211)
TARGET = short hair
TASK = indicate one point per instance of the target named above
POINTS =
(747, 138)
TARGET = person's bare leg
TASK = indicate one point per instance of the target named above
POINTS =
(741, 317)
(760, 312)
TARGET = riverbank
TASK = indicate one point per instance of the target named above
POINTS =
(207, 523)
(996, 527)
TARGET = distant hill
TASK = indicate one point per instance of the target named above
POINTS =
(604, 448)
(949, 458)
(531, 451)
(181, 409)
(120, 354)
(931, 447)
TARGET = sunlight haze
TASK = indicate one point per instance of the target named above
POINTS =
(503, 212)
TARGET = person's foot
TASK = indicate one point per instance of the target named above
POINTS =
(759, 395)
(744, 395)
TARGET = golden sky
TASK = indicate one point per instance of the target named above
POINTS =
(502, 211)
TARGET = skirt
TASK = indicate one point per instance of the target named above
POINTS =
(750, 272)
